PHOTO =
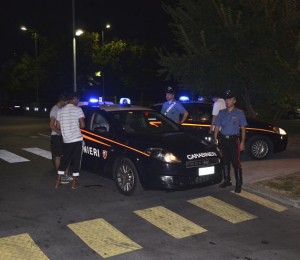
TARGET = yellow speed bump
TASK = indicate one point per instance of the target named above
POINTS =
(20, 247)
(222, 209)
(262, 201)
(103, 238)
(170, 222)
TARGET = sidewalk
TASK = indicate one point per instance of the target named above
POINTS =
(257, 173)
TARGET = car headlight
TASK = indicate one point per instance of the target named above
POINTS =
(163, 155)
(279, 130)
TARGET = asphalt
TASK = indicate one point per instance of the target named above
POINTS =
(279, 165)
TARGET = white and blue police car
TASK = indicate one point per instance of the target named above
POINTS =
(140, 148)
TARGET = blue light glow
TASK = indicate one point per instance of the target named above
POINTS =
(184, 98)
(93, 100)
(125, 101)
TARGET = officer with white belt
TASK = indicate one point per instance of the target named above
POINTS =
(231, 123)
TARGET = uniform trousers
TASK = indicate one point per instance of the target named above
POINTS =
(230, 148)
(72, 154)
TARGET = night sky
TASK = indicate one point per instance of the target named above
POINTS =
(143, 20)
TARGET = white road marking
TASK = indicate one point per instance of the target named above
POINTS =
(11, 157)
(40, 152)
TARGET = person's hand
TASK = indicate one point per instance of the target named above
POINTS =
(242, 146)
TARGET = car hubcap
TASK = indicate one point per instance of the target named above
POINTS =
(125, 178)
(260, 149)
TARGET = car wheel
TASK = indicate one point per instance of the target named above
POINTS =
(259, 147)
(126, 177)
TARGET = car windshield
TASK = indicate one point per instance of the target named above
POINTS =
(139, 121)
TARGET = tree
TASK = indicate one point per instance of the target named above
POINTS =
(252, 46)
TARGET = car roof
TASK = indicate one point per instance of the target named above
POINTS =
(117, 107)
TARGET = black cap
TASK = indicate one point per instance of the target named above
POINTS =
(229, 94)
(170, 90)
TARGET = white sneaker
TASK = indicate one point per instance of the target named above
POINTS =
(69, 178)
(64, 180)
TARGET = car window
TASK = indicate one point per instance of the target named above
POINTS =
(198, 111)
(99, 121)
(144, 122)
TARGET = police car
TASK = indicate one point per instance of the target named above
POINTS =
(140, 148)
(262, 139)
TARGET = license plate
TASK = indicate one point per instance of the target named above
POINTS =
(206, 171)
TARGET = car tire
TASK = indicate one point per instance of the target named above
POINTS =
(259, 147)
(126, 177)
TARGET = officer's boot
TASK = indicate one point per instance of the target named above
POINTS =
(226, 173)
(239, 180)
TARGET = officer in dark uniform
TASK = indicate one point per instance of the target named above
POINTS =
(229, 134)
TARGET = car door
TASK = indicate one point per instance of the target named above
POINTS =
(97, 148)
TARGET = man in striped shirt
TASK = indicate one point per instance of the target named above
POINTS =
(70, 119)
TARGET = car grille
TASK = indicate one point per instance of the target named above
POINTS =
(203, 162)
(192, 180)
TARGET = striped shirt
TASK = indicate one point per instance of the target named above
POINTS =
(68, 118)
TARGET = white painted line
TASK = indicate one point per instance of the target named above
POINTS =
(40, 152)
(11, 157)
(44, 135)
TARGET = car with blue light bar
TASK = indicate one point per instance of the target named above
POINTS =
(140, 148)
(262, 139)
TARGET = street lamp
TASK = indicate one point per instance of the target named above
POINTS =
(34, 35)
(76, 33)
(107, 26)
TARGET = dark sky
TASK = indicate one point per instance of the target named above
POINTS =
(134, 19)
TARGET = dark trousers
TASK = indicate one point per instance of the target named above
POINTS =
(231, 151)
(72, 154)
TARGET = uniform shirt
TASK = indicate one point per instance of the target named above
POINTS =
(173, 110)
(68, 118)
(53, 113)
(231, 121)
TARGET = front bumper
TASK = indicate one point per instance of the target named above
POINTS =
(159, 175)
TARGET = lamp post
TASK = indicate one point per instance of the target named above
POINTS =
(34, 35)
(75, 33)
(107, 26)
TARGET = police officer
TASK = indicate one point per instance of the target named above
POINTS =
(173, 109)
(231, 123)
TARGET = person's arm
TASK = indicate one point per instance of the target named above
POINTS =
(212, 123)
(243, 138)
(81, 122)
(184, 117)
(216, 133)
(53, 125)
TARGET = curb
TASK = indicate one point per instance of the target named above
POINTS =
(273, 195)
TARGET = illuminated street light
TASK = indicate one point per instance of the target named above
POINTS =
(34, 35)
(107, 26)
(76, 33)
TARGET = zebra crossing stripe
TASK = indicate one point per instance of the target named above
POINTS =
(222, 209)
(44, 153)
(11, 157)
(20, 247)
(170, 222)
(103, 238)
(261, 201)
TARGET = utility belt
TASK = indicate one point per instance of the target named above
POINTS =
(229, 136)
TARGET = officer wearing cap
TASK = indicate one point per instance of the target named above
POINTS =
(230, 128)
(173, 109)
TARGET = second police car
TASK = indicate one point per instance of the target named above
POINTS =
(262, 139)
(139, 148)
